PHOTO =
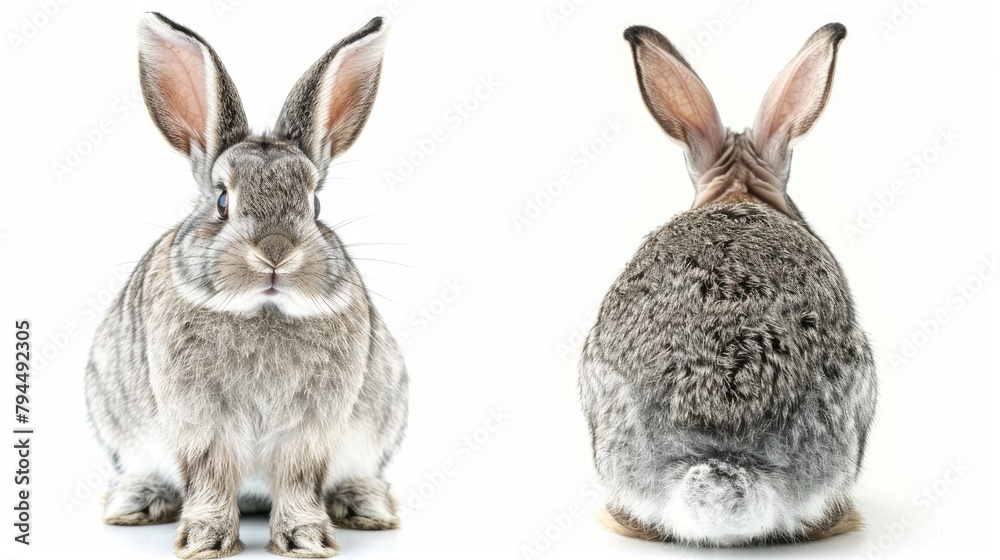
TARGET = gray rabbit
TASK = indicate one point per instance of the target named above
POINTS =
(243, 366)
(727, 386)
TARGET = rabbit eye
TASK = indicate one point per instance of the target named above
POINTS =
(223, 205)
(316, 206)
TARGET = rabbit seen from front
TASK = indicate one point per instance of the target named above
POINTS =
(243, 365)
(728, 388)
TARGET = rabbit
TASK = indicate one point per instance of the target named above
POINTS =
(243, 366)
(727, 386)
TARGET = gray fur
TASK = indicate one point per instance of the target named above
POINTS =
(212, 396)
(727, 385)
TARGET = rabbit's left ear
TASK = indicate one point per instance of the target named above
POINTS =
(796, 98)
(677, 98)
(329, 105)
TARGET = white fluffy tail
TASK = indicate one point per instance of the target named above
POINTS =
(721, 502)
(731, 501)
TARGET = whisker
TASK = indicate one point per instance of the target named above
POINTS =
(149, 223)
(384, 261)
(356, 179)
(349, 221)
(366, 289)
(370, 244)
(342, 162)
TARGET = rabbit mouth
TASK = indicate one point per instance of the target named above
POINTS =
(272, 290)
(274, 294)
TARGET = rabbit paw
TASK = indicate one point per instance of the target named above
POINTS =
(140, 502)
(212, 538)
(314, 540)
(363, 504)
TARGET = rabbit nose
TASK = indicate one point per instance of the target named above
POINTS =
(275, 247)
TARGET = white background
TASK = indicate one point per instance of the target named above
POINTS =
(520, 299)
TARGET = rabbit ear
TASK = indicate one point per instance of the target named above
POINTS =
(677, 98)
(330, 103)
(796, 98)
(188, 92)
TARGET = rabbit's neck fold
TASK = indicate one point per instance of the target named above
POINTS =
(740, 175)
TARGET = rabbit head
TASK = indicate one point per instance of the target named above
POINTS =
(254, 240)
(722, 164)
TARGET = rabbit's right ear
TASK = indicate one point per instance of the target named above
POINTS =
(188, 92)
(677, 98)
(796, 98)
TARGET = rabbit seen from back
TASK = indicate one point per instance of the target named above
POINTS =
(726, 383)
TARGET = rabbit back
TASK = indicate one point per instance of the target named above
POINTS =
(730, 337)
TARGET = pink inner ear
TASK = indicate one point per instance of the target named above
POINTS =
(680, 103)
(681, 94)
(345, 99)
(791, 96)
(795, 99)
(182, 83)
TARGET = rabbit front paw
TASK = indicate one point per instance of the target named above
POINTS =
(207, 538)
(312, 540)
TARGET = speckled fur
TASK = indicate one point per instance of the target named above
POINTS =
(727, 385)
(208, 396)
